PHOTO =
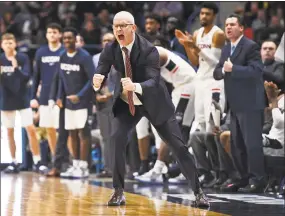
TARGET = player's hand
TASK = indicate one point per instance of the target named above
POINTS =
(272, 91)
(51, 103)
(228, 66)
(216, 130)
(128, 85)
(59, 103)
(73, 98)
(14, 61)
(97, 80)
(101, 98)
(34, 104)
(186, 39)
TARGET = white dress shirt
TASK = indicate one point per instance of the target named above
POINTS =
(124, 95)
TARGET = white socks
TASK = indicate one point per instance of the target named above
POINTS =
(14, 161)
(158, 166)
(80, 164)
(36, 159)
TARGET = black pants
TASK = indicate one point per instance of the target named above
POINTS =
(61, 151)
(168, 131)
(246, 145)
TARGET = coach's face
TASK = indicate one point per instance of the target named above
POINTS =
(233, 29)
(124, 31)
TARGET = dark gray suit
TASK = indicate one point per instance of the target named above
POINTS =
(156, 106)
(245, 95)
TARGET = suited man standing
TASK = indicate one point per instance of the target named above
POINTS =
(140, 91)
(240, 66)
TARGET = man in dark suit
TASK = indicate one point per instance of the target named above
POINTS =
(240, 66)
(140, 91)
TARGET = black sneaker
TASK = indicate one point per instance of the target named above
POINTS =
(40, 168)
(12, 169)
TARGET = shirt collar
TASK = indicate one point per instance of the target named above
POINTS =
(236, 42)
(130, 46)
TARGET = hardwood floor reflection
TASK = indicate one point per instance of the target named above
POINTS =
(31, 194)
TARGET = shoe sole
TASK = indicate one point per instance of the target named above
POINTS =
(114, 204)
(178, 183)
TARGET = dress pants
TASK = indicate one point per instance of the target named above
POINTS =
(170, 133)
(61, 151)
(246, 145)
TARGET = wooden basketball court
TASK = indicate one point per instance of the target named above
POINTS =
(34, 195)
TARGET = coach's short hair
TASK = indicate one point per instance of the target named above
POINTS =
(211, 5)
(239, 19)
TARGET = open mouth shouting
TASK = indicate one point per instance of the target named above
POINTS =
(121, 37)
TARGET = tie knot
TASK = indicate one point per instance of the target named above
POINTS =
(125, 50)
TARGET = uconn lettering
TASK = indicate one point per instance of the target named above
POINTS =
(7, 69)
(50, 59)
(69, 67)
(205, 46)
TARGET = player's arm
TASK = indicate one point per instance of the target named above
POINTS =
(212, 56)
(36, 75)
(162, 57)
(21, 74)
(89, 69)
(192, 52)
(54, 85)
(24, 72)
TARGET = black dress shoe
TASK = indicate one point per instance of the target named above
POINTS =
(220, 181)
(104, 174)
(232, 186)
(201, 200)
(117, 198)
(210, 184)
(207, 179)
(252, 188)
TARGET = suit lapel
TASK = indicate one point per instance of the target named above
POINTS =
(237, 50)
(119, 61)
(135, 52)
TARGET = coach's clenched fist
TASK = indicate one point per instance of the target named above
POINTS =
(97, 80)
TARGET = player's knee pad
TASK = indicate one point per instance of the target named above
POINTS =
(142, 128)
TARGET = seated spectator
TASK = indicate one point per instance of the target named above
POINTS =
(260, 21)
(273, 71)
(273, 32)
(91, 33)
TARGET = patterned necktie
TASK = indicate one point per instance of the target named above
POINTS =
(128, 69)
(233, 49)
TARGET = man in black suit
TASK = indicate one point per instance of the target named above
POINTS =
(140, 91)
(240, 66)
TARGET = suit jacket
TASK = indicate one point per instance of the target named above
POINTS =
(273, 71)
(244, 85)
(146, 71)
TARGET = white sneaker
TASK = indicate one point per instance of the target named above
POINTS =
(68, 173)
(150, 177)
(178, 180)
(81, 171)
